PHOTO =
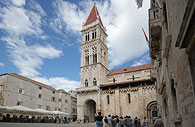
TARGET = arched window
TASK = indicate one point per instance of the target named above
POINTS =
(87, 57)
(129, 98)
(94, 34)
(94, 82)
(87, 36)
(108, 99)
(94, 49)
(86, 83)
(133, 77)
(114, 80)
(95, 58)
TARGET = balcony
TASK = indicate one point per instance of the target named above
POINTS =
(155, 28)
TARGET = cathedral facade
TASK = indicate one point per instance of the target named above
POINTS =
(128, 91)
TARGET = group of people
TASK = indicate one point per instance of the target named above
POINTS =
(116, 121)
(34, 119)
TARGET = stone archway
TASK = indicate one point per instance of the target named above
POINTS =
(90, 110)
(152, 111)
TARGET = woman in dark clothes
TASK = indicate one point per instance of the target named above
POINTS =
(99, 118)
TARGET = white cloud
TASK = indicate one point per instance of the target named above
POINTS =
(59, 82)
(19, 22)
(68, 15)
(18, 2)
(37, 8)
(122, 19)
(29, 58)
(143, 60)
(1, 64)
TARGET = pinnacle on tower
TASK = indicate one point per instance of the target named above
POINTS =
(93, 16)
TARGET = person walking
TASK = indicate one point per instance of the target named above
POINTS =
(117, 121)
(131, 121)
(106, 121)
(109, 121)
(127, 119)
(158, 122)
(139, 123)
(113, 121)
(145, 122)
(99, 118)
(122, 121)
(136, 122)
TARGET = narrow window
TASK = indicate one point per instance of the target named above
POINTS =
(60, 100)
(114, 80)
(19, 103)
(40, 87)
(47, 108)
(95, 34)
(85, 37)
(87, 60)
(129, 98)
(174, 96)
(21, 91)
(40, 96)
(54, 92)
(133, 77)
(88, 37)
(53, 98)
(66, 101)
(95, 58)
(86, 57)
(94, 82)
(86, 83)
(108, 99)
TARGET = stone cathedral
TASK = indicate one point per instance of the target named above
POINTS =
(128, 91)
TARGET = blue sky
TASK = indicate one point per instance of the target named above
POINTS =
(40, 39)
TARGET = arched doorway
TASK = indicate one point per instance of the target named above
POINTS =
(152, 111)
(90, 110)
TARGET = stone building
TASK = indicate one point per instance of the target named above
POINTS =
(127, 91)
(172, 49)
(19, 90)
(73, 103)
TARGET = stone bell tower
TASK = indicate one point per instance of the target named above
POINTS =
(94, 51)
(94, 64)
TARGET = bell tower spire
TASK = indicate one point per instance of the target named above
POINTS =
(94, 51)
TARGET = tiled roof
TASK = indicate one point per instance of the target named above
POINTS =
(129, 69)
(126, 82)
(29, 80)
(93, 16)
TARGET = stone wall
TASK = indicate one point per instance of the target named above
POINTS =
(173, 75)
(120, 104)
